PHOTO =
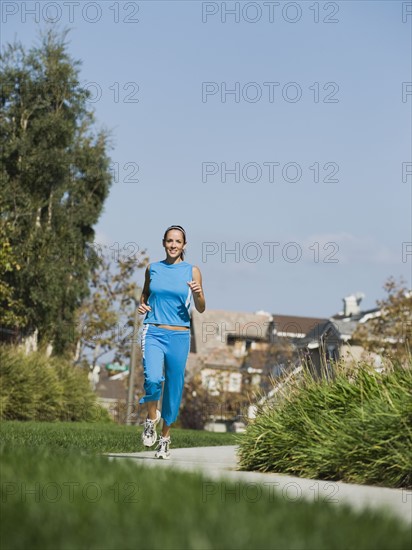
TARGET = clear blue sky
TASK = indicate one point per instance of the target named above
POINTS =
(178, 139)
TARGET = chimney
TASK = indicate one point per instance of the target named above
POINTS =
(351, 304)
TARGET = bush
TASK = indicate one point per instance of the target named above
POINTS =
(34, 387)
(200, 406)
(355, 428)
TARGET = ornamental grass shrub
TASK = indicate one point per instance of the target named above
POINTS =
(36, 387)
(355, 426)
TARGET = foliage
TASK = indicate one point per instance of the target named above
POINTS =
(355, 428)
(104, 321)
(201, 406)
(34, 387)
(55, 177)
(390, 332)
(11, 310)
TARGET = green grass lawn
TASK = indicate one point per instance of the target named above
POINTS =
(59, 492)
(63, 499)
(100, 437)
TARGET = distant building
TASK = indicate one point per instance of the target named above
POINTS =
(294, 327)
(346, 322)
(216, 329)
(112, 393)
(220, 342)
(322, 346)
(230, 349)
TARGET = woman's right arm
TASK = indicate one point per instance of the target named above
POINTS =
(143, 307)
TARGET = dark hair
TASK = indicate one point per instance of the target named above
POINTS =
(179, 228)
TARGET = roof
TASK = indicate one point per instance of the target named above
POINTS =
(323, 330)
(347, 324)
(346, 327)
(222, 359)
(357, 316)
(294, 326)
(110, 389)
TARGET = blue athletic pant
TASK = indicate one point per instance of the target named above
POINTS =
(168, 349)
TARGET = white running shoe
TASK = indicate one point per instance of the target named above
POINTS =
(149, 434)
(162, 450)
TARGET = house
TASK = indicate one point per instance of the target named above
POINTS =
(220, 341)
(216, 329)
(322, 346)
(332, 339)
(286, 335)
(232, 350)
(325, 341)
(294, 327)
(221, 372)
(347, 321)
(111, 393)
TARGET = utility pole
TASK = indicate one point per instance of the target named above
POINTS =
(133, 360)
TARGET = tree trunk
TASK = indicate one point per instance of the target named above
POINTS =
(38, 217)
(50, 209)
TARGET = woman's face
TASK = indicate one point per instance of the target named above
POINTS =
(174, 243)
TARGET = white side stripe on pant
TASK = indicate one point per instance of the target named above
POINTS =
(145, 327)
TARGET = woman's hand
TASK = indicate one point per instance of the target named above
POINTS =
(195, 286)
(197, 290)
(143, 308)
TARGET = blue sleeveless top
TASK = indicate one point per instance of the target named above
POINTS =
(170, 295)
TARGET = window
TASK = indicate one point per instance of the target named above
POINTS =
(235, 382)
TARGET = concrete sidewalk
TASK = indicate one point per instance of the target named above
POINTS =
(220, 463)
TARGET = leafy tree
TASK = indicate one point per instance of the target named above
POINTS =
(55, 177)
(104, 321)
(201, 406)
(11, 310)
(390, 332)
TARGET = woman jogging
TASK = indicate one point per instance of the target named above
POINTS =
(166, 296)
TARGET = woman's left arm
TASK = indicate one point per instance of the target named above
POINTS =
(196, 286)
